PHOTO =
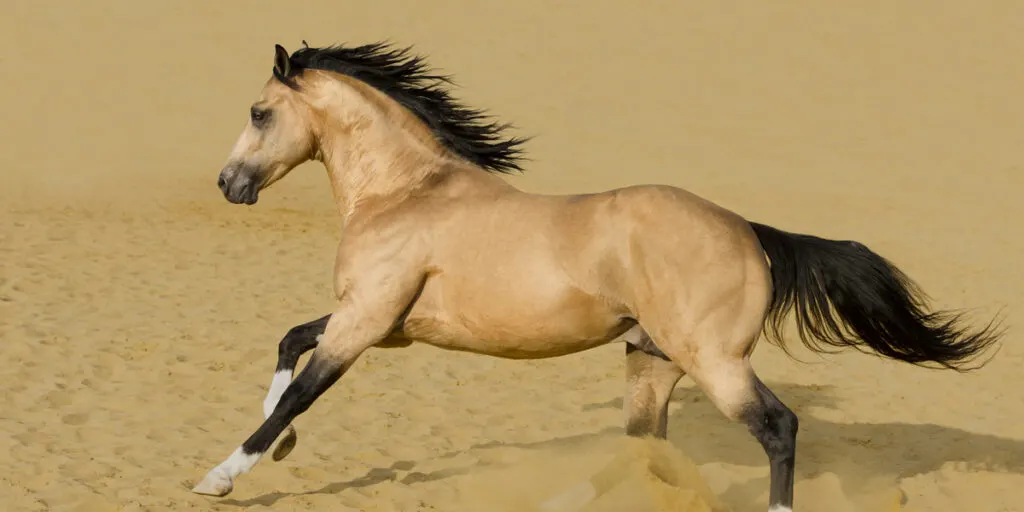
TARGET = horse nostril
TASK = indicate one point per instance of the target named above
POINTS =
(221, 182)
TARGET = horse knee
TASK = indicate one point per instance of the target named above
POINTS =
(318, 375)
(297, 341)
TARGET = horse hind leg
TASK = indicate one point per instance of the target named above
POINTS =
(734, 388)
(775, 427)
(650, 378)
(297, 341)
(739, 394)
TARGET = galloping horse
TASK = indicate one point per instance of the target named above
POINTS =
(437, 248)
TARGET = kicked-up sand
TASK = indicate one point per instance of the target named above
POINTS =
(140, 312)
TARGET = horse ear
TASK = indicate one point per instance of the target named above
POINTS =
(282, 63)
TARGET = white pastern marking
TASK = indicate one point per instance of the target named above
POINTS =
(780, 508)
(319, 338)
(240, 462)
(277, 386)
(220, 480)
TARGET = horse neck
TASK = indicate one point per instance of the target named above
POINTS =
(368, 185)
(380, 153)
(380, 159)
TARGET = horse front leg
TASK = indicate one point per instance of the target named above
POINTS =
(299, 340)
(371, 303)
(322, 370)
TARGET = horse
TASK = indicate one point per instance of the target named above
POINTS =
(438, 248)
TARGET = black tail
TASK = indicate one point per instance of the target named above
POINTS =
(845, 295)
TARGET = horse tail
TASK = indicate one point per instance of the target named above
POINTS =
(846, 296)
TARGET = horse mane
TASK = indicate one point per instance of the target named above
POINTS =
(408, 80)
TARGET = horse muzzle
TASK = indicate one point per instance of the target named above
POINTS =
(240, 184)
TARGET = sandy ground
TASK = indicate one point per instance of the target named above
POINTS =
(139, 311)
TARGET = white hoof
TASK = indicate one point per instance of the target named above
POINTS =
(214, 484)
(285, 445)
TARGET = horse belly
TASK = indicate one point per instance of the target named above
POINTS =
(512, 326)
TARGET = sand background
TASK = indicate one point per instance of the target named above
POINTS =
(139, 311)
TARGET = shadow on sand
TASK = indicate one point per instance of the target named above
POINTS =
(858, 453)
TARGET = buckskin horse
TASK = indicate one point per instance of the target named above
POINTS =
(437, 248)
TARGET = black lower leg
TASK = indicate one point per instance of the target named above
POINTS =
(318, 375)
(775, 427)
(299, 340)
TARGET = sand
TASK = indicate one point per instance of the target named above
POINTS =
(139, 311)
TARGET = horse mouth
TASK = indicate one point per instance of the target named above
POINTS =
(249, 195)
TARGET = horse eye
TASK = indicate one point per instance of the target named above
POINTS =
(257, 115)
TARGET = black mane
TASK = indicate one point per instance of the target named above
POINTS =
(408, 80)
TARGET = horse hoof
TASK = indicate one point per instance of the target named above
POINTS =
(214, 484)
(286, 445)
